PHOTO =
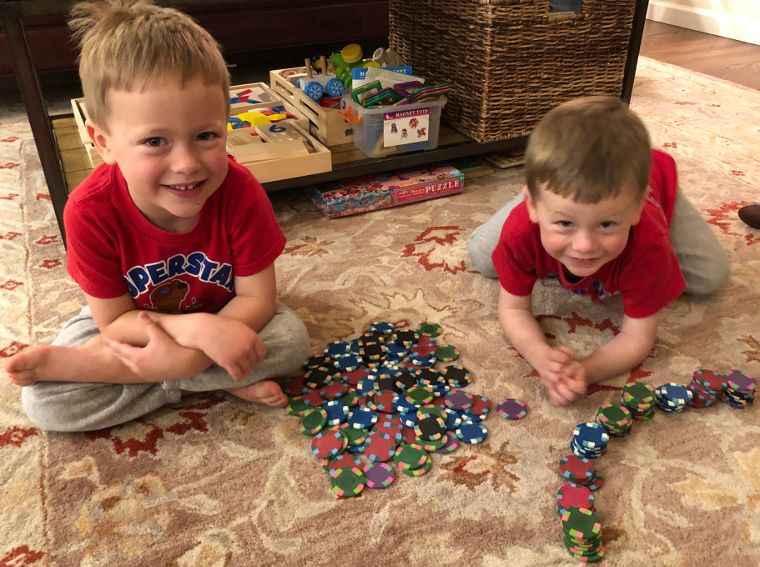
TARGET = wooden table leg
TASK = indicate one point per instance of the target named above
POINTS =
(31, 94)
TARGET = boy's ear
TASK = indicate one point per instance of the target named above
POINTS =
(531, 204)
(101, 142)
(641, 206)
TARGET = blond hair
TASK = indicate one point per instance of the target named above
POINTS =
(126, 44)
(589, 149)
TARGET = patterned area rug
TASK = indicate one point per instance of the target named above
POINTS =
(215, 481)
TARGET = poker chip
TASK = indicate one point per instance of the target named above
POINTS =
(574, 495)
(576, 469)
(472, 432)
(321, 376)
(418, 395)
(411, 455)
(316, 361)
(738, 390)
(447, 353)
(589, 440)
(334, 391)
(418, 471)
(404, 380)
(379, 475)
(313, 421)
(328, 443)
(451, 444)
(635, 393)
(673, 397)
(337, 412)
(336, 349)
(379, 446)
(297, 407)
(314, 398)
(341, 461)
(366, 385)
(582, 534)
(295, 386)
(405, 338)
(458, 400)
(429, 427)
(479, 409)
(348, 362)
(351, 399)
(362, 418)
(512, 408)
(348, 482)
(433, 445)
(423, 361)
(456, 376)
(615, 419)
(355, 437)
(382, 400)
(428, 329)
(352, 378)
(382, 328)
(429, 377)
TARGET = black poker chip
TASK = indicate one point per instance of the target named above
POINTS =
(371, 350)
(457, 376)
(404, 380)
(406, 338)
(370, 338)
(318, 378)
(430, 377)
(316, 361)
(387, 382)
(429, 426)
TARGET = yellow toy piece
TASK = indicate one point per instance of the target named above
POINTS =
(352, 53)
(275, 117)
(255, 118)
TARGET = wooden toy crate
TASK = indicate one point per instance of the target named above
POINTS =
(272, 161)
(327, 123)
(80, 115)
(511, 61)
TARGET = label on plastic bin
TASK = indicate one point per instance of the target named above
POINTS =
(406, 127)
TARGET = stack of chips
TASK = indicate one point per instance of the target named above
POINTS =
(583, 534)
(615, 419)
(638, 398)
(589, 440)
(580, 472)
(705, 386)
(576, 496)
(673, 397)
(738, 390)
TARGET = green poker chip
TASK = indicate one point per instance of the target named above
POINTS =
(419, 471)
(434, 445)
(297, 407)
(356, 437)
(447, 353)
(429, 329)
(313, 421)
(419, 395)
(348, 481)
(410, 455)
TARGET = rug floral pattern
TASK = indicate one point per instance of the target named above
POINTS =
(214, 481)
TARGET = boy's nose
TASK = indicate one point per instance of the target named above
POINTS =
(584, 243)
(185, 161)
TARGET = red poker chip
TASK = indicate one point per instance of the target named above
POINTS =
(334, 391)
(422, 350)
(328, 443)
(379, 447)
(314, 399)
(354, 377)
(480, 406)
(573, 467)
(578, 496)
(409, 435)
(294, 386)
(382, 400)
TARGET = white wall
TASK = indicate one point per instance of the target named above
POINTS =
(735, 19)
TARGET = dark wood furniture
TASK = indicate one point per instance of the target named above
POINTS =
(14, 14)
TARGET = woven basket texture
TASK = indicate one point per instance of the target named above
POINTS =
(510, 61)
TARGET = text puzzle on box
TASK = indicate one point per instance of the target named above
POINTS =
(383, 190)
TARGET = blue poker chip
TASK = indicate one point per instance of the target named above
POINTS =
(382, 328)
(464, 416)
(355, 448)
(424, 361)
(402, 405)
(366, 385)
(347, 362)
(590, 436)
(362, 418)
(451, 418)
(354, 346)
(409, 419)
(440, 390)
(472, 432)
(337, 412)
(394, 351)
(337, 348)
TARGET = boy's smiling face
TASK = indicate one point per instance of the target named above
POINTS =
(170, 145)
(584, 237)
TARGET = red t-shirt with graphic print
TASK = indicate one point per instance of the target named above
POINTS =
(646, 273)
(113, 249)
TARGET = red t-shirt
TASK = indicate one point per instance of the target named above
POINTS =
(113, 249)
(646, 273)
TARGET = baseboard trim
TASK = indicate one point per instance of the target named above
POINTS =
(731, 26)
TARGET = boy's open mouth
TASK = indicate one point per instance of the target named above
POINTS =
(186, 190)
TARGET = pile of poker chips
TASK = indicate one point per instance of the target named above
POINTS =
(705, 386)
(615, 419)
(574, 495)
(580, 472)
(638, 398)
(380, 395)
(583, 534)
(673, 397)
(738, 390)
(589, 440)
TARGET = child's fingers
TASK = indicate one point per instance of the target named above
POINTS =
(569, 351)
(564, 391)
(559, 357)
(125, 353)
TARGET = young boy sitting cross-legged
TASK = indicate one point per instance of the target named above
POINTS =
(602, 214)
(173, 244)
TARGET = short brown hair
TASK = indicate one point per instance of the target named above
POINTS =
(125, 44)
(589, 149)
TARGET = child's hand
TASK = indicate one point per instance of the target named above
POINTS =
(160, 360)
(564, 377)
(231, 344)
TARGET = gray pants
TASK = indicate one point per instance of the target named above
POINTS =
(85, 406)
(703, 262)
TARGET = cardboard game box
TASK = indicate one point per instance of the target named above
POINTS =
(383, 190)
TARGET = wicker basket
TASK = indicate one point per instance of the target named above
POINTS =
(510, 61)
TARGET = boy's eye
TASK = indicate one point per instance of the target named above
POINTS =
(564, 224)
(607, 224)
(206, 136)
(153, 142)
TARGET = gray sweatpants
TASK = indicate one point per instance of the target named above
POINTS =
(703, 262)
(85, 406)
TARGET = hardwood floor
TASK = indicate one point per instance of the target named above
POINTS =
(727, 59)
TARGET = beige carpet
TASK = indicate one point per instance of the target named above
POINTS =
(215, 481)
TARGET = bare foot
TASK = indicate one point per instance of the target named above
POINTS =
(268, 393)
(31, 365)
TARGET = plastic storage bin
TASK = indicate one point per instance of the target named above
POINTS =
(389, 130)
